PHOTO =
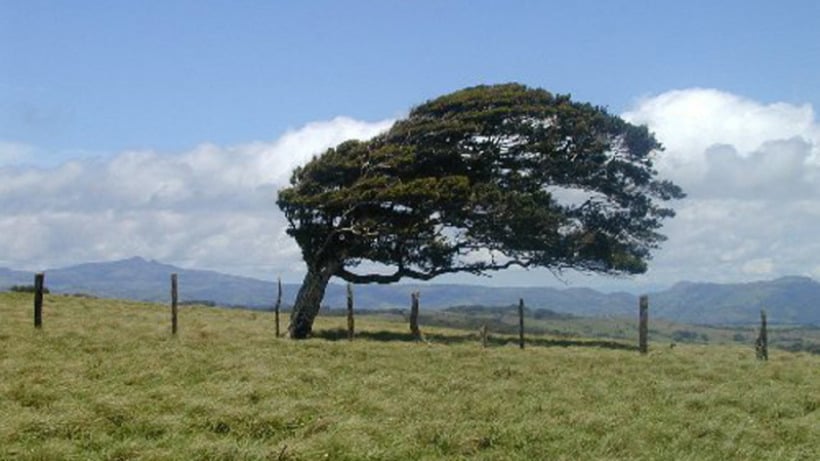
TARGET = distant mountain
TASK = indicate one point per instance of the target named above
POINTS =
(139, 279)
(579, 301)
(142, 280)
(787, 300)
(9, 278)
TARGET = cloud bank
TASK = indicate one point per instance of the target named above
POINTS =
(751, 171)
(210, 207)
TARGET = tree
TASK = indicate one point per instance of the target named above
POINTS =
(483, 179)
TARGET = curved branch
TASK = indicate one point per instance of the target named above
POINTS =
(402, 272)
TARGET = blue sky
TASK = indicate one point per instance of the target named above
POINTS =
(107, 76)
(87, 87)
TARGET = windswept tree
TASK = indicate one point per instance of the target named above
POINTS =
(479, 180)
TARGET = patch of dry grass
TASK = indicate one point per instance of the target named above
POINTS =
(105, 379)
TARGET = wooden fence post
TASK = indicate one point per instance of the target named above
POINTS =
(484, 338)
(521, 323)
(173, 304)
(762, 343)
(643, 324)
(350, 324)
(39, 282)
(278, 305)
(414, 315)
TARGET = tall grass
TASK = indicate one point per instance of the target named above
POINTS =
(105, 379)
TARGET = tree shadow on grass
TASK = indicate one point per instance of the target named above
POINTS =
(339, 334)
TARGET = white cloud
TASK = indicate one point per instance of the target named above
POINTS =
(12, 153)
(752, 174)
(761, 266)
(210, 207)
(688, 122)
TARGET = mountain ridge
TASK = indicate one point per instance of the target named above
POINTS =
(790, 299)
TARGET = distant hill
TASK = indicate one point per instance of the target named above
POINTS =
(9, 278)
(139, 279)
(579, 301)
(787, 300)
(143, 280)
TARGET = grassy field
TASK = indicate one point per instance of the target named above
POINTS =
(789, 337)
(105, 380)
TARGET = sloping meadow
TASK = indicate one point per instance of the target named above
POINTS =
(105, 379)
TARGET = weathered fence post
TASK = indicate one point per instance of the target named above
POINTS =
(414, 315)
(484, 336)
(521, 323)
(643, 323)
(39, 282)
(762, 343)
(350, 324)
(278, 305)
(173, 304)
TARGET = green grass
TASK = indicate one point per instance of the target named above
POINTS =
(788, 337)
(104, 379)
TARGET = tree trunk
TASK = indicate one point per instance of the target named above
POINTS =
(309, 299)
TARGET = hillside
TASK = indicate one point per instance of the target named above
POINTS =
(105, 380)
(10, 278)
(789, 300)
(786, 300)
(142, 280)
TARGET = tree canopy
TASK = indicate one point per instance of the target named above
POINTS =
(479, 180)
